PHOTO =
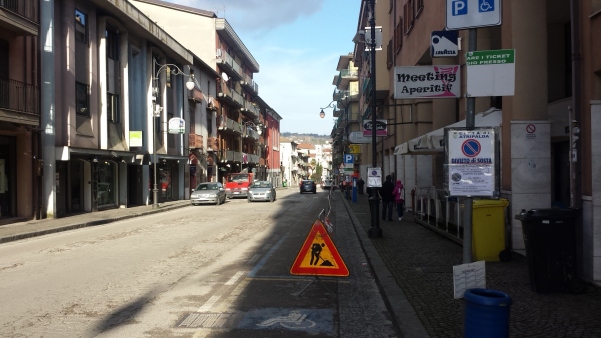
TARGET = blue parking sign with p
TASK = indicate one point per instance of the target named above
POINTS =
(459, 7)
(349, 158)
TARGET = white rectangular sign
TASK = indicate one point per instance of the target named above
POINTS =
(427, 82)
(374, 177)
(471, 162)
(464, 14)
(468, 276)
(490, 72)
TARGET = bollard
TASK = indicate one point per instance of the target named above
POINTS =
(485, 313)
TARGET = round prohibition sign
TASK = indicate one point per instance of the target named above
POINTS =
(530, 128)
(471, 148)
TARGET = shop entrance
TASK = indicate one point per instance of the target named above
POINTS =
(7, 177)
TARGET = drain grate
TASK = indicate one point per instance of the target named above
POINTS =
(210, 320)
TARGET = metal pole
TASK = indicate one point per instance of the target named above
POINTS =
(47, 120)
(155, 190)
(374, 201)
(470, 123)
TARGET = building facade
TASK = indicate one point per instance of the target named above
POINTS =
(556, 97)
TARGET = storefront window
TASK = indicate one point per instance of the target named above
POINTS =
(107, 173)
(164, 182)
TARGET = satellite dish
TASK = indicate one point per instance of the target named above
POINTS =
(225, 77)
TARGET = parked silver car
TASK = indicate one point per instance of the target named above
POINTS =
(208, 193)
(261, 191)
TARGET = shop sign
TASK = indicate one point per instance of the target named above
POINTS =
(427, 82)
(135, 138)
(177, 125)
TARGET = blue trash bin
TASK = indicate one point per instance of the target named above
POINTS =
(486, 313)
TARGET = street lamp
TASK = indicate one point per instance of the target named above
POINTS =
(322, 114)
(156, 112)
(374, 201)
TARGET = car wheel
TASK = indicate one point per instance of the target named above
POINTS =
(218, 201)
(248, 200)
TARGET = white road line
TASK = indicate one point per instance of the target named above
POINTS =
(233, 280)
(254, 259)
(209, 304)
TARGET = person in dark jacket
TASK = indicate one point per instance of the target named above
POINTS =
(387, 198)
(360, 184)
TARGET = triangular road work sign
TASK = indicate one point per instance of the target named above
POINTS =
(318, 256)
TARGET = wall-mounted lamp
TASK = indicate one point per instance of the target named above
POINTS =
(322, 114)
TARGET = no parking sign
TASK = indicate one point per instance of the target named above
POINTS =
(471, 161)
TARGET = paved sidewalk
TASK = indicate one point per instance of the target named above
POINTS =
(28, 229)
(421, 261)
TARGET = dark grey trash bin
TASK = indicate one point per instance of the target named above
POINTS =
(550, 240)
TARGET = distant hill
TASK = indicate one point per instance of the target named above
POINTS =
(304, 138)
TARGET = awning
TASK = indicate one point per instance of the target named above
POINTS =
(432, 143)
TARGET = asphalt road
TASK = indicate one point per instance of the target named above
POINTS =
(204, 271)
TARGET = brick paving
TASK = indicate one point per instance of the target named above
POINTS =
(421, 262)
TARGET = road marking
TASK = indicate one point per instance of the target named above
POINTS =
(254, 259)
(233, 280)
(266, 246)
(209, 304)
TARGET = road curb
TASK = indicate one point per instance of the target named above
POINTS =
(404, 315)
(88, 224)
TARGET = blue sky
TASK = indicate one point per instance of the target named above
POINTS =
(297, 45)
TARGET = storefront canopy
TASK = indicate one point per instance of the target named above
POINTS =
(432, 143)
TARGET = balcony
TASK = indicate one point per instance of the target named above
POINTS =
(226, 124)
(250, 85)
(250, 158)
(228, 64)
(212, 144)
(20, 16)
(195, 141)
(231, 96)
(251, 108)
(19, 102)
(249, 132)
(346, 76)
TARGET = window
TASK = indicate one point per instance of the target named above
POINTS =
(408, 16)
(112, 42)
(420, 8)
(81, 27)
(82, 99)
(389, 54)
(398, 36)
(112, 107)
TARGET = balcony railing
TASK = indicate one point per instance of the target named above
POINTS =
(212, 144)
(250, 107)
(225, 123)
(25, 8)
(231, 95)
(19, 97)
(230, 65)
(250, 84)
(195, 141)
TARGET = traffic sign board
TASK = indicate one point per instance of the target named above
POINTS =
(349, 158)
(464, 14)
(318, 255)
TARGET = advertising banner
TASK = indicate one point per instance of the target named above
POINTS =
(177, 126)
(427, 82)
(380, 128)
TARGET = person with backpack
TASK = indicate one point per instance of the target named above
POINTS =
(399, 199)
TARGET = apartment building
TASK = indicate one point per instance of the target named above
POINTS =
(20, 165)
(556, 97)
(241, 116)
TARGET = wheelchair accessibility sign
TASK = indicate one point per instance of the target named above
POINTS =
(465, 14)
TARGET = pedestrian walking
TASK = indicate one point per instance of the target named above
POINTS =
(360, 185)
(387, 198)
(399, 198)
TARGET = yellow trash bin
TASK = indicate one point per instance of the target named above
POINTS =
(488, 230)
